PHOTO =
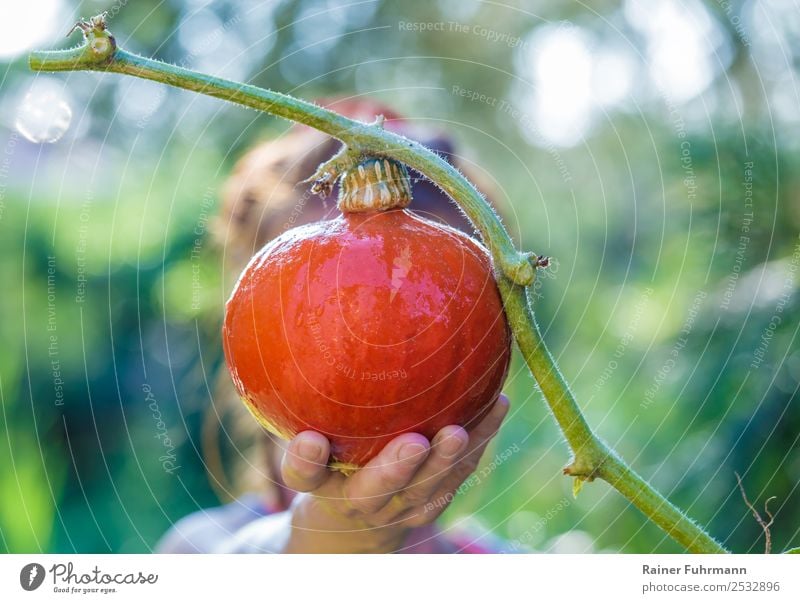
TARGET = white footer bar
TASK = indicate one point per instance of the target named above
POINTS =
(390, 578)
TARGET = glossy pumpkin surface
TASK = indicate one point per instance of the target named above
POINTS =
(365, 327)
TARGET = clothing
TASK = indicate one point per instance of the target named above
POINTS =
(249, 525)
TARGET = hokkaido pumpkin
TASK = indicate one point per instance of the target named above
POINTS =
(373, 324)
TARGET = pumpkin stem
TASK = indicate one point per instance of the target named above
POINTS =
(375, 184)
(97, 50)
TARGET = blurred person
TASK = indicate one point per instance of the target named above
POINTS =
(295, 503)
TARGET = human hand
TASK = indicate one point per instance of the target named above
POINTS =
(374, 509)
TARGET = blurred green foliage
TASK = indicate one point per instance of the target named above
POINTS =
(655, 312)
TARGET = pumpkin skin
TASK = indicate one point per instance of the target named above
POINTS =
(365, 327)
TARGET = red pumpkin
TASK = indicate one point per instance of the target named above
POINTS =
(371, 325)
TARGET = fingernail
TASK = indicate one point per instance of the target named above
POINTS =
(502, 405)
(451, 446)
(309, 450)
(410, 453)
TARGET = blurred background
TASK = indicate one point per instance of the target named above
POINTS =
(651, 148)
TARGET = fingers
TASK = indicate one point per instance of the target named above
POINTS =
(440, 476)
(304, 466)
(479, 439)
(405, 475)
(446, 450)
(369, 489)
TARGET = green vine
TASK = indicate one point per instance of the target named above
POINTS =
(515, 271)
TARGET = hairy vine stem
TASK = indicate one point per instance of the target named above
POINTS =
(515, 271)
